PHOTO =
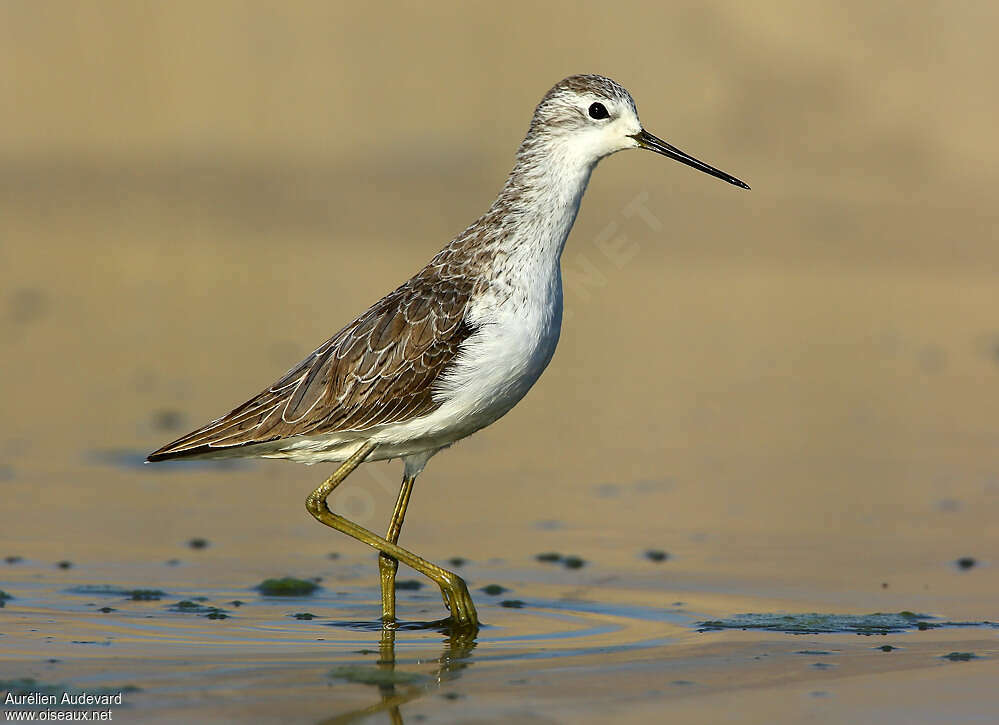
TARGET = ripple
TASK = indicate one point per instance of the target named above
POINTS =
(545, 627)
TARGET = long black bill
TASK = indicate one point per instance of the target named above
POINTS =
(647, 141)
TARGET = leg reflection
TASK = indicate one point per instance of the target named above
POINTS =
(397, 687)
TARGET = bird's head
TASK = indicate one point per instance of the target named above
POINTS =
(587, 117)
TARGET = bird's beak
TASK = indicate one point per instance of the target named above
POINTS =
(646, 140)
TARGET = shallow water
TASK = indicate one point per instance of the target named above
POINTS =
(611, 640)
(610, 652)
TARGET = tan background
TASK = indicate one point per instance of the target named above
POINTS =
(792, 389)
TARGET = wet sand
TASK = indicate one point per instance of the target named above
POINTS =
(789, 392)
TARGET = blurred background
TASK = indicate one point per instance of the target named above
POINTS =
(790, 393)
(195, 195)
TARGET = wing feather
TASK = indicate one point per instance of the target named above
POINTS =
(378, 369)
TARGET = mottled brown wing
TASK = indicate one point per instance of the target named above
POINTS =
(378, 369)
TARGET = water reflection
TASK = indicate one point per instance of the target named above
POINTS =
(397, 687)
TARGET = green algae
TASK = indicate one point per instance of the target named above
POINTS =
(569, 562)
(287, 587)
(186, 606)
(816, 623)
(108, 590)
(146, 595)
(29, 685)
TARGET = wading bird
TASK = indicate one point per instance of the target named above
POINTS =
(453, 348)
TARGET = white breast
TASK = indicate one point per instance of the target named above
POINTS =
(518, 322)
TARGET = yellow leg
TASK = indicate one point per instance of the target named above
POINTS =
(387, 566)
(453, 588)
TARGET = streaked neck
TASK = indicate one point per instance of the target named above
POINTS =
(541, 196)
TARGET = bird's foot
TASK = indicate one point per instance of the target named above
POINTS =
(459, 602)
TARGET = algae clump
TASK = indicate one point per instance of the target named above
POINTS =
(287, 587)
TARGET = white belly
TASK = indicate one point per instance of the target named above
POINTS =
(500, 363)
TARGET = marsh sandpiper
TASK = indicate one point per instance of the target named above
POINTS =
(453, 348)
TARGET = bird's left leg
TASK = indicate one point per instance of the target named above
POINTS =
(453, 587)
(387, 566)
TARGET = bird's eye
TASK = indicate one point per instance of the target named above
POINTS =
(598, 111)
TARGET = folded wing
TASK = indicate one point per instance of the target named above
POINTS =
(378, 369)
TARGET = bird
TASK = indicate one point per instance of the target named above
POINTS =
(453, 348)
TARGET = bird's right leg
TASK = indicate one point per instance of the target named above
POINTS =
(387, 566)
(453, 587)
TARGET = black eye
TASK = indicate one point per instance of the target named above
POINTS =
(598, 111)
